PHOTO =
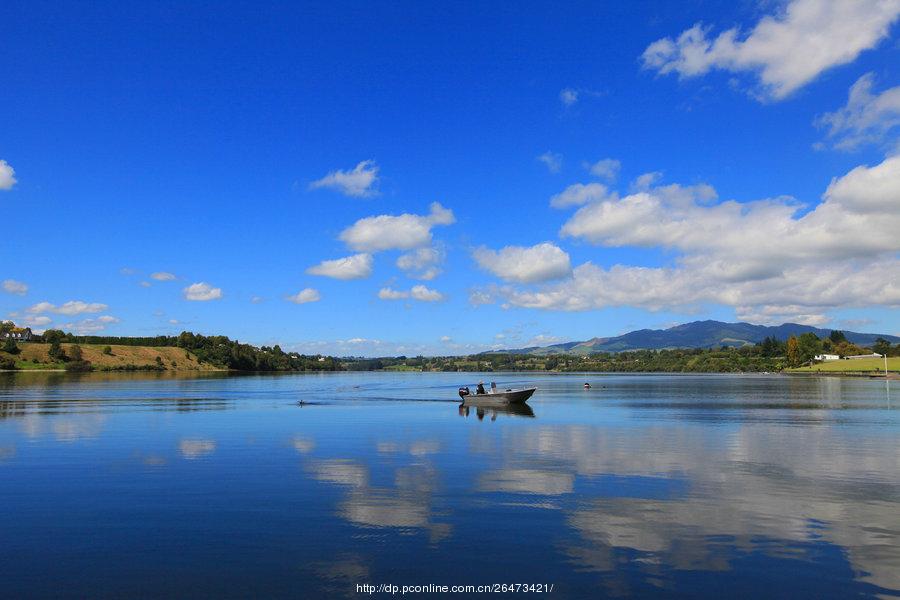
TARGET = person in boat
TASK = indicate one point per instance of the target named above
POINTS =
(480, 389)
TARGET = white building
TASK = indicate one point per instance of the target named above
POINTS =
(19, 334)
(827, 357)
(873, 355)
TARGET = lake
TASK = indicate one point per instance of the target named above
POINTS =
(154, 486)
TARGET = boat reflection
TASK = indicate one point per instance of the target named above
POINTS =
(492, 409)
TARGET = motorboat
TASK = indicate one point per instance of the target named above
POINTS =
(496, 396)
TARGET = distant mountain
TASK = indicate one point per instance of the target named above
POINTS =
(698, 334)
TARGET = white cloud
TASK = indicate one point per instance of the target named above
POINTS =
(776, 315)
(304, 296)
(543, 339)
(768, 259)
(638, 219)
(418, 292)
(41, 307)
(421, 263)
(788, 50)
(387, 293)
(11, 286)
(359, 182)
(580, 193)
(358, 266)
(37, 321)
(866, 118)
(541, 262)
(552, 160)
(90, 326)
(743, 234)
(375, 347)
(446, 339)
(163, 276)
(866, 190)
(607, 168)
(202, 292)
(481, 297)
(811, 289)
(423, 294)
(568, 96)
(402, 232)
(358, 346)
(72, 307)
(646, 181)
(7, 176)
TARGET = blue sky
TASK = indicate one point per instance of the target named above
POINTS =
(725, 169)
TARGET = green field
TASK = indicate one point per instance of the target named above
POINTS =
(862, 365)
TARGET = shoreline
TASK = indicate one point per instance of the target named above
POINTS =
(892, 375)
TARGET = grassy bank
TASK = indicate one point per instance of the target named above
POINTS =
(121, 358)
(862, 365)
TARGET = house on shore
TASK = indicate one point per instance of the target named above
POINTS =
(19, 334)
(858, 356)
(826, 357)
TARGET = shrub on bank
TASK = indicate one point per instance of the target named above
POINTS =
(79, 366)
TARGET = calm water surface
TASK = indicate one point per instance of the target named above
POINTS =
(225, 487)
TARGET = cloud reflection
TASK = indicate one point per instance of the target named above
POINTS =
(758, 484)
(196, 448)
(527, 481)
(303, 445)
(69, 428)
(405, 505)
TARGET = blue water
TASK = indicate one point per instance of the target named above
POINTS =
(152, 486)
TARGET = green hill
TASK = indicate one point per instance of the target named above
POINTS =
(33, 356)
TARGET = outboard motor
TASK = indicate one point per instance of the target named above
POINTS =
(463, 392)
